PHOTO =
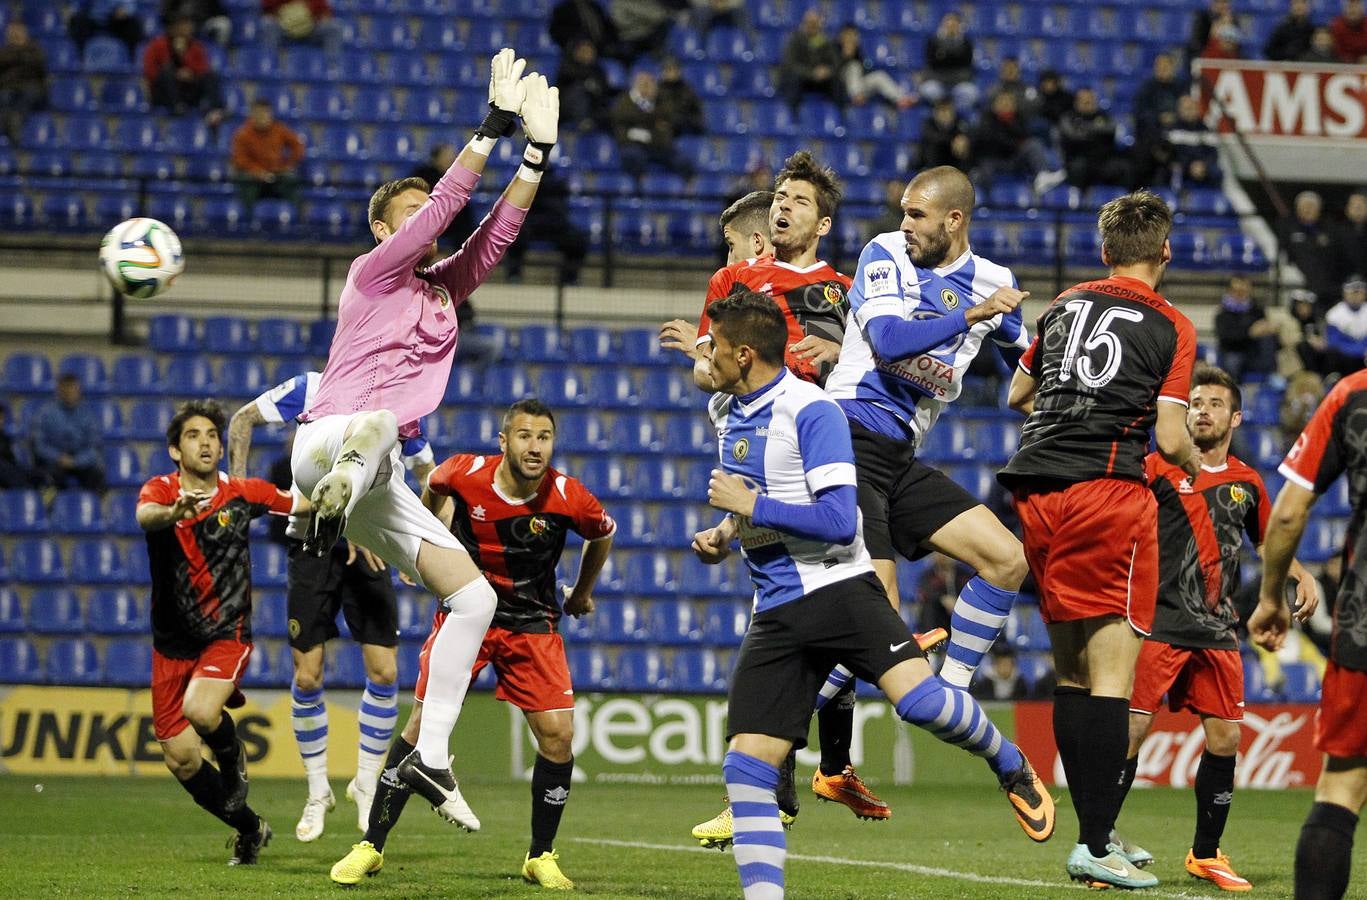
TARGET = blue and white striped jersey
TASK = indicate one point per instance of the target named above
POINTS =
(790, 442)
(904, 397)
(290, 398)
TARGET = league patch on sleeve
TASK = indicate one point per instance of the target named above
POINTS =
(880, 278)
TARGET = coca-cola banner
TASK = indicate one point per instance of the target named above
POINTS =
(1266, 99)
(1277, 749)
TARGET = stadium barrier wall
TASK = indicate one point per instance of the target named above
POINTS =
(1276, 749)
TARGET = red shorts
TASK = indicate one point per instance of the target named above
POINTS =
(1207, 681)
(532, 672)
(222, 660)
(1093, 549)
(1341, 725)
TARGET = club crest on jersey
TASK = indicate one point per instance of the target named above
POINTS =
(949, 299)
(443, 296)
(225, 518)
(741, 449)
(537, 525)
(834, 296)
(1237, 493)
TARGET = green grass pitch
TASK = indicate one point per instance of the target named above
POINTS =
(143, 837)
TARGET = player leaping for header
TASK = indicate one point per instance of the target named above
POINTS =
(388, 366)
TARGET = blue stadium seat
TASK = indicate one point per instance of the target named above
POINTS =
(55, 611)
(563, 386)
(643, 669)
(688, 433)
(172, 334)
(1302, 684)
(678, 522)
(580, 432)
(700, 670)
(98, 561)
(465, 386)
(651, 574)
(270, 614)
(671, 389)
(579, 630)
(621, 622)
(73, 661)
(37, 561)
(280, 337)
(227, 334)
(89, 368)
(269, 564)
(344, 666)
(123, 467)
(77, 512)
(641, 347)
(1034, 667)
(635, 525)
(658, 478)
(243, 377)
(590, 668)
(28, 373)
(613, 388)
(116, 611)
(22, 512)
(1322, 541)
(11, 612)
(192, 375)
(476, 430)
(64, 212)
(697, 579)
(325, 102)
(540, 344)
(128, 662)
(71, 96)
(1336, 501)
(408, 661)
(18, 661)
(415, 615)
(1266, 446)
(266, 668)
(635, 432)
(136, 374)
(506, 383)
(591, 345)
(606, 477)
(994, 443)
(149, 419)
(1026, 630)
(673, 621)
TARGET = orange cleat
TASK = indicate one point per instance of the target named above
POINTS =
(931, 639)
(1217, 871)
(1030, 801)
(849, 789)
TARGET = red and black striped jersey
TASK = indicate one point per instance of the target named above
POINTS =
(202, 567)
(1334, 443)
(517, 543)
(814, 300)
(1201, 528)
(1104, 354)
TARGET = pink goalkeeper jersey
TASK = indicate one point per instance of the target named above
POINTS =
(396, 327)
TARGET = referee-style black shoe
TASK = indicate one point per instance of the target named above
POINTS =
(247, 847)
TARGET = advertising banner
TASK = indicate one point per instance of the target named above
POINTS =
(1277, 749)
(1268, 99)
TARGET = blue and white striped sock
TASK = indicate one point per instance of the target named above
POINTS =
(309, 715)
(978, 618)
(955, 717)
(379, 713)
(835, 683)
(759, 845)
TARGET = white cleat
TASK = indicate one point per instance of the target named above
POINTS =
(310, 827)
(363, 795)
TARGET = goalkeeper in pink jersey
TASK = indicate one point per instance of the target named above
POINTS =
(388, 367)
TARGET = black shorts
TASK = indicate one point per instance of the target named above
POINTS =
(904, 501)
(318, 588)
(789, 650)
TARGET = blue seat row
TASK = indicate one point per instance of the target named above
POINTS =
(108, 611)
(124, 662)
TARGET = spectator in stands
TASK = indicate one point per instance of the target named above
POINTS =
(1349, 30)
(1003, 144)
(1194, 147)
(66, 439)
(1225, 42)
(1155, 103)
(678, 102)
(1314, 247)
(179, 77)
(891, 217)
(14, 472)
(1321, 47)
(1354, 234)
(758, 177)
(1054, 98)
(1087, 136)
(1246, 339)
(439, 159)
(1203, 24)
(643, 134)
(809, 63)
(1346, 329)
(708, 14)
(949, 64)
(265, 156)
(938, 133)
(585, 94)
(1291, 38)
(116, 18)
(1002, 680)
(301, 21)
(859, 80)
(1009, 81)
(550, 223)
(583, 20)
(642, 26)
(23, 80)
(1310, 342)
(210, 18)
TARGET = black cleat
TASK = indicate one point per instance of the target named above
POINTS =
(439, 788)
(247, 847)
(234, 778)
(787, 785)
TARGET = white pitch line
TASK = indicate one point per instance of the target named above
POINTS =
(913, 868)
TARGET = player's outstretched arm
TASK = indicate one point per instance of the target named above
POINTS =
(156, 516)
(579, 598)
(240, 426)
(1173, 439)
(1271, 618)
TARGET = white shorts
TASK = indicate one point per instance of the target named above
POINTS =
(389, 519)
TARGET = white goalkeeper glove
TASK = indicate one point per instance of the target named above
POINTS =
(506, 93)
(540, 120)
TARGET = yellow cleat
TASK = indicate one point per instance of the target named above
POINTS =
(545, 871)
(718, 831)
(363, 860)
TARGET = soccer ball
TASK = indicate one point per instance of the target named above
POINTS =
(141, 257)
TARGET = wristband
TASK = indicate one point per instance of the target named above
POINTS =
(498, 123)
(528, 174)
(481, 145)
(537, 156)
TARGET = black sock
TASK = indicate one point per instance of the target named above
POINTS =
(787, 784)
(1097, 732)
(206, 787)
(550, 790)
(1068, 722)
(835, 730)
(1324, 853)
(1214, 793)
(221, 740)
(391, 794)
(1127, 778)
